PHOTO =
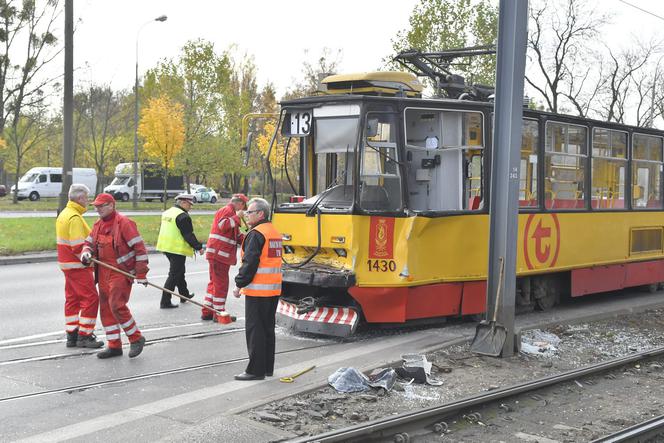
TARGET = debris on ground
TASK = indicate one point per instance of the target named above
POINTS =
(563, 348)
(416, 367)
(351, 380)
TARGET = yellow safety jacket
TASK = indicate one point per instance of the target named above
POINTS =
(71, 231)
(170, 238)
(267, 280)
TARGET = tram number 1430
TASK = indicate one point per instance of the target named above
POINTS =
(382, 265)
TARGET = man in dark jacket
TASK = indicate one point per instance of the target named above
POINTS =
(259, 280)
(177, 241)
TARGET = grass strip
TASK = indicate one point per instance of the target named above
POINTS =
(51, 204)
(35, 234)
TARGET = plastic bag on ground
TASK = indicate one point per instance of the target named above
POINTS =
(351, 380)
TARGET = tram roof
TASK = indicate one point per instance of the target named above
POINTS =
(465, 104)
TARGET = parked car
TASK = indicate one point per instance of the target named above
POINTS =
(205, 195)
(194, 187)
(3, 190)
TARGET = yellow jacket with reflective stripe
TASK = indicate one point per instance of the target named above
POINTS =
(71, 231)
(170, 238)
(267, 280)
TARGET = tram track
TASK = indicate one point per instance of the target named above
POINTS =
(98, 384)
(416, 425)
(60, 356)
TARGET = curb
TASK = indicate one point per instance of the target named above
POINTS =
(42, 258)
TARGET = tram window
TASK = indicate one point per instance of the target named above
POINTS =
(564, 166)
(528, 170)
(444, 159)
(380, 180)
(609, 164)
(646, 171)
(334, 148)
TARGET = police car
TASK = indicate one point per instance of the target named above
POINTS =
(205, 195)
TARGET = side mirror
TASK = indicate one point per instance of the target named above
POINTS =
(372, 127)
(247, 150)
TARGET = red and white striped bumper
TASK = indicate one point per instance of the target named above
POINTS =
(339, 322)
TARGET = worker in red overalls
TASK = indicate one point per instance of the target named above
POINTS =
(115, 240)
(221, 253)
(81, 298)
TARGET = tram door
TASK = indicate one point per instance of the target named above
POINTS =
(444, 155)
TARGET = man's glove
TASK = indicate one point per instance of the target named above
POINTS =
(141, 281)
(86, 258)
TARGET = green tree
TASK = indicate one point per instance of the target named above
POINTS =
(239, 98)
(27, 45)
(162, 128)
(197, 79)
(313, 72)
(100, 129)
(437, 25)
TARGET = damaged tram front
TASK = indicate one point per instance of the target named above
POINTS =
(368, 238)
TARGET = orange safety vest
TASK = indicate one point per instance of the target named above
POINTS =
(267, 280)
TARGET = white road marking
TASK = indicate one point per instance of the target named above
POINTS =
(177, 401)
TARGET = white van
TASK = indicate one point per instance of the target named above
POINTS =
(47, 182)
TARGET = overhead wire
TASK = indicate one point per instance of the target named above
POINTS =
(642, 10)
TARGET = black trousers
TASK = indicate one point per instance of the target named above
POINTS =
(259, 330)
(175, 278)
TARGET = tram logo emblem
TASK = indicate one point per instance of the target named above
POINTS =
(541, 241)
(381, 238)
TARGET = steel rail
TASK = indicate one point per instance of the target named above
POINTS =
(167, 338)
(86, 386)
(393, 425)
(639, 432)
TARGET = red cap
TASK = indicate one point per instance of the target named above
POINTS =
(103, 199)
(241, 197)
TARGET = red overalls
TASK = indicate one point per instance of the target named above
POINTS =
(114, 291)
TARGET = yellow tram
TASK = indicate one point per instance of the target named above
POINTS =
(392, 223)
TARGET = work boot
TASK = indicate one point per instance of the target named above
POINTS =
(110, 352)
(189, 297)
(168, 305)
(89, 341)
(136, 347)
(72, 337)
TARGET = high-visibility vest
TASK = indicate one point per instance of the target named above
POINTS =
(267, 280)
(71, 231)
(170, 238)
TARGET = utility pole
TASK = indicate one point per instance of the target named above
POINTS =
(504, 208)
(68, 112)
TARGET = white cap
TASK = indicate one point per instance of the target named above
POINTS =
(189, 197)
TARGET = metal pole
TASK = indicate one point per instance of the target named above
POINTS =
(510, 72)
(135, 194)
(161, 18)
(68, 111)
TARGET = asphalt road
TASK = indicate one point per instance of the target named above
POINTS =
(186, 390)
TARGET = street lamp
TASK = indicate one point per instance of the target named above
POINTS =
(161, 18)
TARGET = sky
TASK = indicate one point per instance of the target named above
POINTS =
(279, 35)
(276, 33)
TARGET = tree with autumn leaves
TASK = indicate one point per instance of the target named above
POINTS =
(162, 128)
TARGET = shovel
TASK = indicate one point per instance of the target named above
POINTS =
(490, 336)
(126, 274)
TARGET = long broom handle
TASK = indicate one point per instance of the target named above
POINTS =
(501, 276)
(127, 274)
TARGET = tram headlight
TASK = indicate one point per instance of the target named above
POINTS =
(340, 252)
